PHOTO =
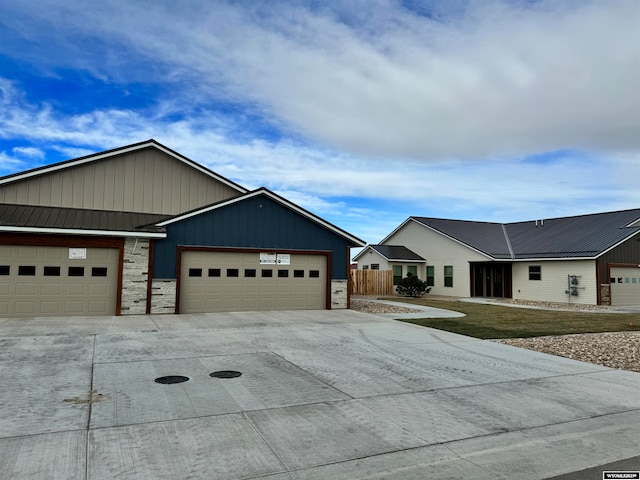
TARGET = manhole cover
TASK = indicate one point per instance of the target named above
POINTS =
(225, 374)
(171, 379)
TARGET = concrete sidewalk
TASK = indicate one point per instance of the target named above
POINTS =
(322, 395)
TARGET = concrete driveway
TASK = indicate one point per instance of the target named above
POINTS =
(322, 395)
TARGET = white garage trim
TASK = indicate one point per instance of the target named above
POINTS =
(202, 282)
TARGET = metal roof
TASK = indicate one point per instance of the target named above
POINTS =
(27, 217)
(396, 253)
(583, 236)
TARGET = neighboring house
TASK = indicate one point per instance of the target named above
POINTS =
(391, 257)
(589, 259)
(142, 229)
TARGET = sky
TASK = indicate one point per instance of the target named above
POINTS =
(364, 112)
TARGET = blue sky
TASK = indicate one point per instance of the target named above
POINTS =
(363, 111)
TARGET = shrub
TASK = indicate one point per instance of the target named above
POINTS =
(412, 286)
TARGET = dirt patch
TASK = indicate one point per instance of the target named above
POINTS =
(94, 397)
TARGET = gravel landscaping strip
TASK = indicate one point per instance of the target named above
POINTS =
(615, 350)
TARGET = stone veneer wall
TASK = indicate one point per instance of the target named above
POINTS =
(339, 291)
(163, 295)
(605, 294)
(135, 274)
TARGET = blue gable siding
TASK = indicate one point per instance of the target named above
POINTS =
(257, 222)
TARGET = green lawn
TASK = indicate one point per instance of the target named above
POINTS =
(495, 321)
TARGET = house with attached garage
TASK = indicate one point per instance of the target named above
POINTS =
(143, 229)
(588, 259)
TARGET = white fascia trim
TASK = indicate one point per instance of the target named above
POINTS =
(555, 259)
(404, 260)
(267, 193)
(93, 158)
(619, 243)
(75, 231)
(366, 249)
(398, 228)
(452, 239)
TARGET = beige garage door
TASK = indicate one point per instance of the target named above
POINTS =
(57, 281)
(213, 281)
(625, 286)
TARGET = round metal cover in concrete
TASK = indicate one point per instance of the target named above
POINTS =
(226, 374)
(171, 379)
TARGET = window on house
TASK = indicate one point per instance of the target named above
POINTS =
(535, 272)
(448, 275)
(413, 270)
(365, 267)
(397, 274)
(375, 266)
(431, 276)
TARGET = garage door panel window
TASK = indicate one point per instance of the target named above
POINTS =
(195, 272)
(27, 270)
(250, 272)
(314, 273)
(214, 272)
(298, 273)
(99, 271)
(76, 271)
(51, 271)
(5, 269)
(267, 273)
(283, 273)
(233, 272)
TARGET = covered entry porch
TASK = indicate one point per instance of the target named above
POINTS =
(491, 279)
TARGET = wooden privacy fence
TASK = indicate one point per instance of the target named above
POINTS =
(372, 282)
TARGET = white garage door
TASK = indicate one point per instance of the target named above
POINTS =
(625, 286)
(45, 281)
(214, 281)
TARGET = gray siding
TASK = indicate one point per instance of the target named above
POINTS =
(145, 180)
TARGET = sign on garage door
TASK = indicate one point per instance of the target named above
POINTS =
(222, 281)
(625, 286)
(38, 280)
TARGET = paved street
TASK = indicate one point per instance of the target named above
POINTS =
(317, 395)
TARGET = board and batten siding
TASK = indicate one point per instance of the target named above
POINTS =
(146, 180)
(439, 251)
(552, 286)
(256, 222)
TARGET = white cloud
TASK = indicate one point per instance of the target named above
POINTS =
(29, 152)
(495, 78)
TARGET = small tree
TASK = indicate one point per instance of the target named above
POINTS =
(412, 286)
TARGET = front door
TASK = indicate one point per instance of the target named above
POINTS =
(491, 280)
